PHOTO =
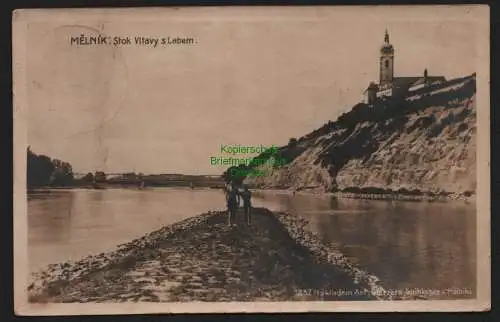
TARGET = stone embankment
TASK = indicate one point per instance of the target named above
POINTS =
(404, 197)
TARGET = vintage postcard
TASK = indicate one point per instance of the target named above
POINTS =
(251, 159)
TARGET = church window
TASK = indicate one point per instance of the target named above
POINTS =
(386, 64)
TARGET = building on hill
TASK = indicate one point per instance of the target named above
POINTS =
(395, 86)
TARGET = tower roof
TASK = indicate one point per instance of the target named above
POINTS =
(386, 48)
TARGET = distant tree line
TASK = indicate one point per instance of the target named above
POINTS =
(44, 171)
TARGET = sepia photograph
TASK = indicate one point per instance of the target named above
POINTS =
(251, 159)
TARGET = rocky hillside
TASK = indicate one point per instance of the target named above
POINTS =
(425, 142)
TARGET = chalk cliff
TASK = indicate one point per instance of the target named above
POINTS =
(424, 140)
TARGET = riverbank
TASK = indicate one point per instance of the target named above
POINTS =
(202, 259)
(468, 198)
(388, 195)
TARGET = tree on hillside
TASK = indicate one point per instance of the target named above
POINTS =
(236, 174)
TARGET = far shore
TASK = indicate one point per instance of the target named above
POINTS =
(314, 191)
(374, 196)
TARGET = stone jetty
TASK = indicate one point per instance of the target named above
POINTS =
(203, 259)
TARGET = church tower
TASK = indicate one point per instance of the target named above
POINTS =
(386, 61)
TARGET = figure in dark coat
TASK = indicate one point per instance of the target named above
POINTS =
(231, 195)
(247, 204)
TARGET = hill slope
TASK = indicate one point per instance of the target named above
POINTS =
(424, 142)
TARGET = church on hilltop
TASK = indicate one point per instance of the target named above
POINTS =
(395, 86)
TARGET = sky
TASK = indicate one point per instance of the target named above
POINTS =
(254, 77)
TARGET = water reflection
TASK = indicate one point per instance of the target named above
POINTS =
(406, 244)
(52, 218)
(67, 225)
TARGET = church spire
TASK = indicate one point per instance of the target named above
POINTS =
(386, 61)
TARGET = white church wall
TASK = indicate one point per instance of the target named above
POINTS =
(387, 92)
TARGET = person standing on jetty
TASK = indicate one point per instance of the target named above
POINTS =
(231, 195)
(238, 196)
(247, 204)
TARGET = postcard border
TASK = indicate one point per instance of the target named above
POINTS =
(20, 110)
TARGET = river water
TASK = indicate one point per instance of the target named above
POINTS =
(415, 245)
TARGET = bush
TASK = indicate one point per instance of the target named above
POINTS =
(100, 176)
(468, 193)
(89, 177)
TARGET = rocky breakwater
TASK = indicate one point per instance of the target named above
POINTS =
(203, 259)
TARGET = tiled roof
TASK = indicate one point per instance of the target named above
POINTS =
(404, 81)
(430, 79)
